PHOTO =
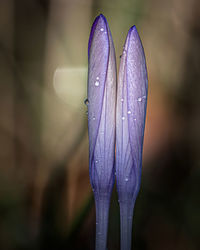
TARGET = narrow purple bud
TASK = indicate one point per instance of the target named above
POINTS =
(130, 122)
(101, 122)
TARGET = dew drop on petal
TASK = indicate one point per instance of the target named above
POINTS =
(140, 98)
(97, 78)
(101, 29)
(96, 161)
(86, 102)
(123, 118)
(93, 118)
(96, 83)
(122, 100)
(126, 179)
(134, 119)
(129, 112)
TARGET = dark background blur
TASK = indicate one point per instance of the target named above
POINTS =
(45, 195)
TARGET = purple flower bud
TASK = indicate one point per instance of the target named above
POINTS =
(130, 123)
(101, 121)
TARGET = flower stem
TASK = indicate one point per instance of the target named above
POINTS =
(102, 213)
(126, 218)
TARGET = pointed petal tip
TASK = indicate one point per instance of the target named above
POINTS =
(133, 31)
(133, 28)
(103, 17)
(99, 21)
(100, 17)
(133, 38)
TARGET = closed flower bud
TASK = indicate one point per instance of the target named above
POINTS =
(101, 121)
(130, 123)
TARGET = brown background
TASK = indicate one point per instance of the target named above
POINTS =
(45, 195)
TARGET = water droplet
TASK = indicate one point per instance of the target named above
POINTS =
(140, 98)
(124, 52)
(96, 83)
(123, 118)
(96, 161)
(93, 118)
(134, 119)
(129, 112)
(97, 78)
(126, 179)
(102, 29)
(122, 100)
(86, 102)
(96, 223)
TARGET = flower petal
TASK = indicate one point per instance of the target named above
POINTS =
(130, 117)
(101, 108)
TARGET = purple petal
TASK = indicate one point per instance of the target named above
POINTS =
(101, 108)
(101, 122)
(92, 34)
(130, 117)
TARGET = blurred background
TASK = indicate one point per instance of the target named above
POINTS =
(45, 194)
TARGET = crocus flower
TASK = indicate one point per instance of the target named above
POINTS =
(130, 122)
(101, 121)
